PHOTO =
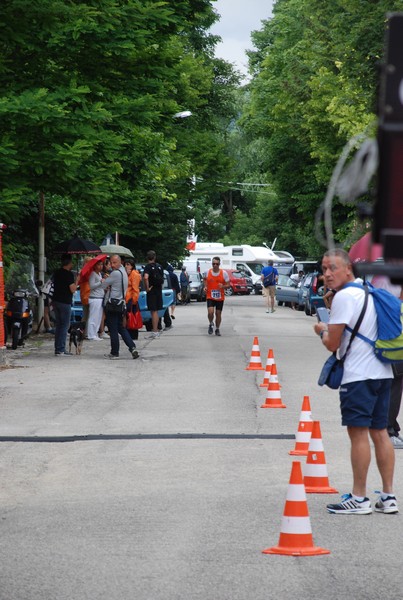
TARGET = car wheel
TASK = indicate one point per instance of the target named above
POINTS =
(229, 291)
(280, 303)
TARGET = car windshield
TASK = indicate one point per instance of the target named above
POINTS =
(236, 274)
(194, 277)
(285, 280)
(255, 267)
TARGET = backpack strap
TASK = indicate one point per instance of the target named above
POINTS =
(354, 332)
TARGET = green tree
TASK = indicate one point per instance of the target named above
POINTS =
(314, 86)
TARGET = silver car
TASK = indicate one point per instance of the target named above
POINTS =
(287, 291)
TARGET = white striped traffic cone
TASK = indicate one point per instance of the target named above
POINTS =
(316, 479)
(269, 363)
(255, 363)
(296, 533)
(273, 394)
(304, 432)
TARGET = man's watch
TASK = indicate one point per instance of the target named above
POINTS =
(322, 332)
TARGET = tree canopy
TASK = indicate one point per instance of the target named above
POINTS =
(88, 94)
(315, 70)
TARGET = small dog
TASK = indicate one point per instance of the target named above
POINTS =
(76, 331)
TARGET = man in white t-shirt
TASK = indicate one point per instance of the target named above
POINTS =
(365, 387)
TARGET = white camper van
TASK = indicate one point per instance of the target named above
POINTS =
(250, 260)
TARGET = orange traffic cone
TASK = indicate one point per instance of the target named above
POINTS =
(273, 394)
(304, 430)
(316, 479)
(255, 363)
(296, 533)
(269, 363)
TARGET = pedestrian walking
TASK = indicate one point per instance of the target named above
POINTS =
(397, 383)
(153, 279)
(64, 287)
(216, 280)
(174, 281)
(365, 386)
(116, 286)
(269, 279)
(132, 294)
(95, 302)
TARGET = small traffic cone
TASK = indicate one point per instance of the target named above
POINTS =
(296, 533)
(316, 480)
(269, 363)
(273, 394)
(255, 363)
(304, 432)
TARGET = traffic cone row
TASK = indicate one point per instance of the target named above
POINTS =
(296, 533)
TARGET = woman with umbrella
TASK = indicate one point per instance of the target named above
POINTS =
(91, 273)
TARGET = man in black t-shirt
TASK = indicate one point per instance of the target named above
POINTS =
(64, 287)
(153, 279)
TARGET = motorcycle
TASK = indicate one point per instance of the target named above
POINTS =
(20, 288)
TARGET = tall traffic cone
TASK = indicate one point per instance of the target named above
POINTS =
(269, 363)
(255, 363)
(304, 432)
(316, 480)
(296, 533)
(273, 394)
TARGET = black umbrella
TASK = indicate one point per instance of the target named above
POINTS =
(77, 246)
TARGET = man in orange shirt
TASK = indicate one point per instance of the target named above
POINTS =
(215, 282)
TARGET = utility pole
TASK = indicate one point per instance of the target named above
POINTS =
(41, 253)
(2, 301)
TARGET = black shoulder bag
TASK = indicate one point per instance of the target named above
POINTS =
(333, 369)
(117, 305)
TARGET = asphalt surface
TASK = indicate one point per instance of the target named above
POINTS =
(162, 478)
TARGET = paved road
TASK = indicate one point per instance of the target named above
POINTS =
(163, 479)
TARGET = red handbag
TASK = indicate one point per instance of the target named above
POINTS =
(134, 320)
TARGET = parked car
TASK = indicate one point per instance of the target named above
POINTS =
(311, 293)
(287, 291)
(76, 308)
(238, 283)
(196, 286)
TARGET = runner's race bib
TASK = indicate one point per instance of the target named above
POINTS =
(216, 294)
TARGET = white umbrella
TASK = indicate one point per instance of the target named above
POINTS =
(116, 249)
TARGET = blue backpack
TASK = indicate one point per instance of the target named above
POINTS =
(388, 346)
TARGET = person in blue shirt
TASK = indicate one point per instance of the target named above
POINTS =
(269, 279)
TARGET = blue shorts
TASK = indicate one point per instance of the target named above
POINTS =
(365, 403)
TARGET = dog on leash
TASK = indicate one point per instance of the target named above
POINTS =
(76, 331)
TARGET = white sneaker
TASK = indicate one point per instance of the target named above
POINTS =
(387, 505)
(396, 441)
(104, 336)
(152, 336)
